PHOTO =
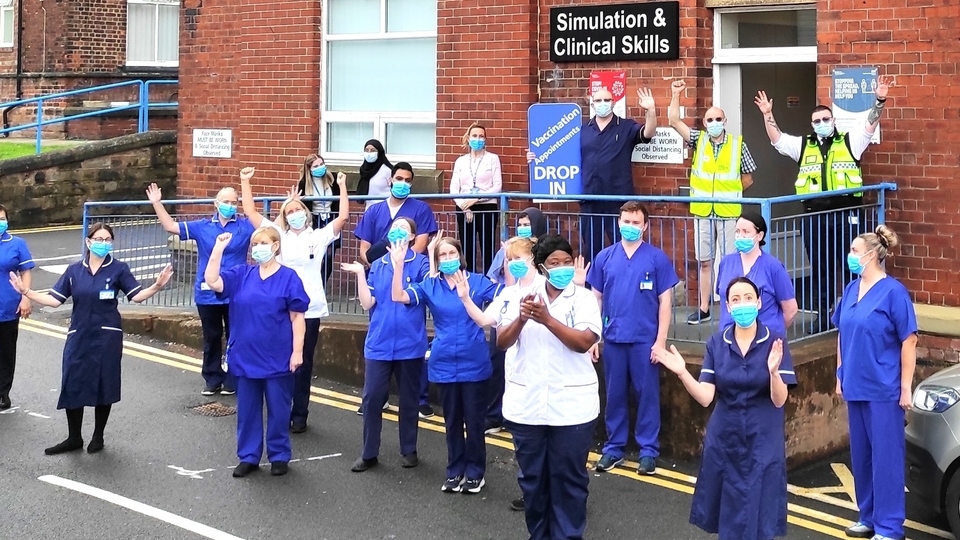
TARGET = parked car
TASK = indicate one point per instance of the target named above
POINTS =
(933, 447)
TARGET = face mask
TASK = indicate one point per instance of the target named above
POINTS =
(603, 109)
(560, 277)
(524, 231)
(743, 245)
(297, 219)
(226, 210)
(518, 268)
(449, 267)
(744, 314)
(854, 264)
(630, 233)
(262, 253)
(477, 144)
(319, 172)
(396, 234)
(715, 128)
(824, 129)
(3, 226)
(400, 190)
(370, 157)
(101, 249)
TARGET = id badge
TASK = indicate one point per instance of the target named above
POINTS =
(646, 285)
(204, 286)
(108, 294)
(475, 190)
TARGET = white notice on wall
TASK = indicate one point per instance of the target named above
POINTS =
(666, 147)
(215, 143)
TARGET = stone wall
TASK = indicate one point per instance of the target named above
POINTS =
(51, 188)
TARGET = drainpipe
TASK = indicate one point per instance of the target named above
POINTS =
(19, 66)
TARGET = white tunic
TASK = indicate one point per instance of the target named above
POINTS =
(304, 253)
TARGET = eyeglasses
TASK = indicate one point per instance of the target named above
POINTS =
(818, 121)
(101, 240)
(709, 120)
(603, 101)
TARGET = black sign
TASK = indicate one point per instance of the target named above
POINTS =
(643, 31)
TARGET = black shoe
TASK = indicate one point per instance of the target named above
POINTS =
(96, 445)
(517, 505)
(245, 468)
(224, 391)
(426, 411)
(279, 468)
(452, 485)
(68, 445)
(409, 461)
(698, 317)
(210, 390)
(298, 426)
(472, 485)
(5, 402)
(361, 464)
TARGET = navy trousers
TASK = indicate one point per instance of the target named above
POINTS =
(376, 385)
(599, 222)
(8, 354)
(877, 453)
(214, 323)
(627, 370)
(465, 405)
(553, 478)
(303, 375)
(278, 392)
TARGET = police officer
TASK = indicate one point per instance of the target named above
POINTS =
(829, 161)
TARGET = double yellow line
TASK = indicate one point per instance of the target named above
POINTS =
(828, 524)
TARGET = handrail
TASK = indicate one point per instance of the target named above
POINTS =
(143, 105)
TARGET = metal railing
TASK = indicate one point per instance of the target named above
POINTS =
(143, 106)
(806, 243)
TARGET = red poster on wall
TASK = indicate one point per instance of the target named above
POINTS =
(616, 83)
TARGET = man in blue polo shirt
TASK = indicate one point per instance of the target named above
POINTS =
(214, 317)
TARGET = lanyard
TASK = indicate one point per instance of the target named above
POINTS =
(474, 173)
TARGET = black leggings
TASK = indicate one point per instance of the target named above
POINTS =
(9, 331)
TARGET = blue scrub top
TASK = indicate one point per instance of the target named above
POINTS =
(605, 156)
(14, 257)
(459, 352)
(397, 331)
(631, 289)
(376, 221)
(872, 332)
(261, 333)
(770, 276)
(495, 272)
(205, 233)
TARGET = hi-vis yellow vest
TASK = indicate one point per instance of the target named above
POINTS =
(839, 171)
(716, 176)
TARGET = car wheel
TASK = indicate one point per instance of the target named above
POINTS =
(951, 506)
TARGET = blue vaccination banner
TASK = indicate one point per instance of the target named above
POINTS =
(554, 137)
(854, 91)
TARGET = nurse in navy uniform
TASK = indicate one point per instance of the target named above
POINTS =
(91, 355)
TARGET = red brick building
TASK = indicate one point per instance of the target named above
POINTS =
(289, 76)
(49, 46)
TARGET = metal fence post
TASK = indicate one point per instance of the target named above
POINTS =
(504, 226)
(84, 228)
(39, 123)
(882, 203)
(141, 121)
(766, 211)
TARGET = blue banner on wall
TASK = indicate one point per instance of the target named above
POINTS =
(554, 136)
(854, 91)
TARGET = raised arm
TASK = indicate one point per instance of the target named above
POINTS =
(398, 252)
(344, 214)
(43, 299)
(463, 291)
(673, 111)
(364, 296)
(766, 109)
(883, 88)
(154, 196)
(649, 107)
(246, 197)
(702, 392)
(162, 279)
(778, 388)
(211, 275)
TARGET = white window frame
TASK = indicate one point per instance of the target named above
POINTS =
(156, 22)
(6, 10)
(378, 119)
(759, 55)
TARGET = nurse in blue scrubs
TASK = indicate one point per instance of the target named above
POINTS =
(266, 299)
(14, 257)
(94, 347)
(459, 358)
(741, 491)
(395, 346)
(876, 358)
(777, 295)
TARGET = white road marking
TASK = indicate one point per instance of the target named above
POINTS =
(196, 474)
(188, 473)
(38, 415)
(130, 504)
(317, 458)
(11, 410)
(59, 258)
(58, 269)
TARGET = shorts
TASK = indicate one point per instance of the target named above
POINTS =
(710, 232)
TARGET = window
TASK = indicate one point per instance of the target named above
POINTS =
(6, 23)
(745, 35)
(153, 32)
(379, 79)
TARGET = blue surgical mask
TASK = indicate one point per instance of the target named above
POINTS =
(400, 190)
(370, 157)
(477, 144)
(297, 219)
(449, 267)
(226, 210)
(319, 172)
(744, 245)
(854, 264)
(3, 226)
(101, 249)
(561, 276)
(518, 268)
(524, 231)
(603, 108)
(630, 233)
(745, 314)
(262, 253)
(823, 129)
(396, 234)
(714, 128)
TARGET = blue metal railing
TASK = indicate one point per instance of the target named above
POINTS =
(143, 106)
